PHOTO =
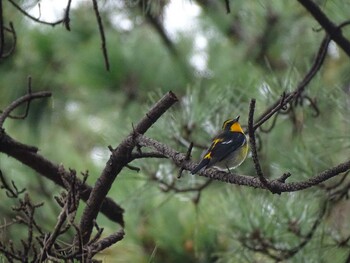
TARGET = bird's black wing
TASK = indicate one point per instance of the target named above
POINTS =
(230, 142)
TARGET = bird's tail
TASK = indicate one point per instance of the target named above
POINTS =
(203, 163)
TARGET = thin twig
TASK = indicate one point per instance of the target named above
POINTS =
(2, 36)
(26, 98)
(60, 21)
(188, 157)
(154, 21)
(106, 242)
(287, 98)
(227, 4)
(102, 34)
(66, 15)
(25, 114)
(253, 148)
(14, 37)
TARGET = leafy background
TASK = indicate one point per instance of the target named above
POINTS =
(259, 50)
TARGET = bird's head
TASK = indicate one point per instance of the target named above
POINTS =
(232, 125)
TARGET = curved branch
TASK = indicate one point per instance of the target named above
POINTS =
(12, 31)
(60, 21)
(287, 98)
(26, 98)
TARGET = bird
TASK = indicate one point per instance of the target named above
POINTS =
(228, 149)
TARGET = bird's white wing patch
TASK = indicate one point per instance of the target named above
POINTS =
(227, 142)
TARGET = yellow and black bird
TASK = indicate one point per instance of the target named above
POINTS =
(228, 149)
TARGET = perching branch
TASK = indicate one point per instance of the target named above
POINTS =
(278, 185)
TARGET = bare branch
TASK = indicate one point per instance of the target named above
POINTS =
(2, 36)
(253, 148)
(154, 21)
(227, 4)
(287, 98)
(26, 98)
(278, 185)
(11, 193)
(119, 158)
(60, 21)
(14, 36)
(66, 15)
(188, 157)
(102, 34)
(106, 242)
(28, 156)
(332, 30)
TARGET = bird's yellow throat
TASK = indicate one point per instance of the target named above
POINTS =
(236, 127)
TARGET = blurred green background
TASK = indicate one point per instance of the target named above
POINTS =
(259, 50)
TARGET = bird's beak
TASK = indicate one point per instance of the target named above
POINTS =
(237, 119)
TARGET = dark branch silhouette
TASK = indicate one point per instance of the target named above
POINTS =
(28, 155)
(18, 7)
(119, 158)
(2, 35)
(288, 98)
(332, 30)
(26, 98)
(102, 34)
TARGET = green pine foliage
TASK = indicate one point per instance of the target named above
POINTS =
(92, 108)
